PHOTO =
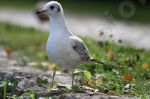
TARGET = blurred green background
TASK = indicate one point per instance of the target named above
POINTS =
(93, 7)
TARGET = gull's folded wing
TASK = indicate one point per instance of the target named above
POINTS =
(79, 46)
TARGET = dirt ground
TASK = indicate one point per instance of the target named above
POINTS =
(27, 75)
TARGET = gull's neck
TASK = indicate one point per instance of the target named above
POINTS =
(58, 25)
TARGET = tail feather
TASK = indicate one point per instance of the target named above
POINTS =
(96, 61)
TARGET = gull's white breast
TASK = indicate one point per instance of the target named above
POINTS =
(60, 51)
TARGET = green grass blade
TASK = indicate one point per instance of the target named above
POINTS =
(5, 89)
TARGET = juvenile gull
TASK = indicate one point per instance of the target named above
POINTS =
(63, 48)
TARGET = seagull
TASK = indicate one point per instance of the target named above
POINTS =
(63, 48)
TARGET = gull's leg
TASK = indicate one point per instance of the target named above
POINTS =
(73, 77)
(54, 72)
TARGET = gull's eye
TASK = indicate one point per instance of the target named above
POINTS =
(52, 7)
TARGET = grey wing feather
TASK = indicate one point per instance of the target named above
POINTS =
(79, 46)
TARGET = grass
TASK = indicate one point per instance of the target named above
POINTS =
(124, 65)
(90, 8)
(21, 39)
(5, 89)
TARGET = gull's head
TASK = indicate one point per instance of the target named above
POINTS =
(52, 8)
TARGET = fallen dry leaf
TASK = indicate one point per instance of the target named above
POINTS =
(90, 83)
(145, 66)
(127, 77)
(8, 52)
(111, 92)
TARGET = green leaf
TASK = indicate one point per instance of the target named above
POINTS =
(87, 75)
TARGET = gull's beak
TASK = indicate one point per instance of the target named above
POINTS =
(40, 11)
